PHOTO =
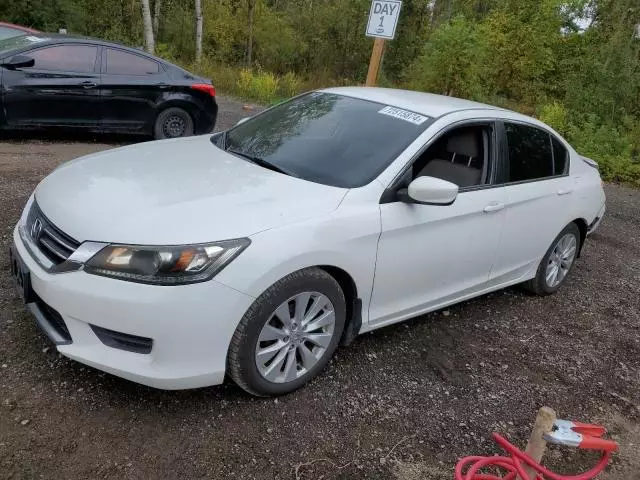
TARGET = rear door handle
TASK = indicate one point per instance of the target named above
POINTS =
(493, 207)
(564, 191)
(162, 85)
(88, 84)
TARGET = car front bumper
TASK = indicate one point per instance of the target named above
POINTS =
(190, 326)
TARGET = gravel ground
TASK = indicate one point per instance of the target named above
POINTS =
(403, 402)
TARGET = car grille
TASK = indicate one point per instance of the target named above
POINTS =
(56, 245)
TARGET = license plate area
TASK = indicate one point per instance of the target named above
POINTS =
(21, 277)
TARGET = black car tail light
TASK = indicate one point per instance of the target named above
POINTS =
(206, 88)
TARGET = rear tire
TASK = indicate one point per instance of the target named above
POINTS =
(268, 356)
(174, 122)
(557, 263)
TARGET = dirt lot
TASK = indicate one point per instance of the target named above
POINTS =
(403, 402)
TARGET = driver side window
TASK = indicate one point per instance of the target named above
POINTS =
(462, 156)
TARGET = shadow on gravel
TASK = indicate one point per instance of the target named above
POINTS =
(65, 136)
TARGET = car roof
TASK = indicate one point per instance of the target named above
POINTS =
(57, 38)
(427, 104)
(18, 27)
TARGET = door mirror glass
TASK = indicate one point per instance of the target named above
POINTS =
(19, 61)
(429, 191)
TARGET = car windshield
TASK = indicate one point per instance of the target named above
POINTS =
(8, 44)
(327, 138)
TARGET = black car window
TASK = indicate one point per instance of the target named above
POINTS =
(560, 157)
(123, 63)
(530, 155)
(65, 58)
(327, 138)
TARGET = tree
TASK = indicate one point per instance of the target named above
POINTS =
(148, 27)
(198, 30)
(251, 6)
(156, 17)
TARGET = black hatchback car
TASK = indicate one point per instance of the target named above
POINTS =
(73, 82)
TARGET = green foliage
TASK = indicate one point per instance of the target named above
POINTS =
(434, 70)
(261, 86)
(554, 115)
(245, 80)
(612, 147)
(290, 84)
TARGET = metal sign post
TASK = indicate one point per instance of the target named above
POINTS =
(383, 19)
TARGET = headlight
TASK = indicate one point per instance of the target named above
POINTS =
(173, 265)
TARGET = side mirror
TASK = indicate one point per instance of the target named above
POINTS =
(19, 61)
(429, 191)
(242, 120)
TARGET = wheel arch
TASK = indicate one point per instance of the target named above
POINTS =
(353, 302)
(583, 226)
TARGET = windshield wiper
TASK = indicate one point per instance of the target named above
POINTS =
(262, 162)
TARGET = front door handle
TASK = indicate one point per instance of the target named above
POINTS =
(493, 207)
(564, 191)
(88, 84)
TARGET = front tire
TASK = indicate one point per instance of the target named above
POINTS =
(556, 263)
(174, 122)
(289, 334)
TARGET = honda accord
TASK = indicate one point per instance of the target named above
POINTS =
(255, 252)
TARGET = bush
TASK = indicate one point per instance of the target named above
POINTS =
(245, 79)
(611, 147)
(449, 62)
(264, 86)
(554, 115)
(290, 85)
(261, 86)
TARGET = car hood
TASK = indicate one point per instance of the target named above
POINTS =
(175, 192)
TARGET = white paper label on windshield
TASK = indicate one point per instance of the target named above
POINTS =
(405, 115)
(31, 38)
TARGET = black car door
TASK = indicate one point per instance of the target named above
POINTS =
(60, 89)
(132, 87)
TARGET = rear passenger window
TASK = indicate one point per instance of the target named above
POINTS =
(123, 63)
(530, 153)
(560, 157)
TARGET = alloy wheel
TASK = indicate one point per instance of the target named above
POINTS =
(561, 259)
(295, 337)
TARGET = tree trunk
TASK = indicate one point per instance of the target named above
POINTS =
(148, 27)
(441, 12)
(251, 5)
(198, 30)
(156, 17)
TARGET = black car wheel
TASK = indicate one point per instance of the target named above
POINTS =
(173, 122)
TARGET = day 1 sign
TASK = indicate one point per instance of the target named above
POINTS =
(383, 18)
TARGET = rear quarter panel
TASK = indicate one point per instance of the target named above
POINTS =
(589, 196)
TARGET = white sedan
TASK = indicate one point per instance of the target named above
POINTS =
(256, 252)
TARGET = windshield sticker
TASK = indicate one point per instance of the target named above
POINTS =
(405, 115)
(31, 38)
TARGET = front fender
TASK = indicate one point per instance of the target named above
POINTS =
(348, 241)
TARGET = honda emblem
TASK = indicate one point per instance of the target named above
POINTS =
(36, 229)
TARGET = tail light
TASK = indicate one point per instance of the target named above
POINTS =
(205, 87)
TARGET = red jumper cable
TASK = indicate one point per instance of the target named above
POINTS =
(570, 434)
